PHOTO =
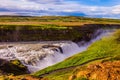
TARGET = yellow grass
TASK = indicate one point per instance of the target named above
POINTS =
(55, 23)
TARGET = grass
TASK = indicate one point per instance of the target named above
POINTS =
(56, 20)
(108, 47)
(32, 27)
(81, 78)
(60, 75)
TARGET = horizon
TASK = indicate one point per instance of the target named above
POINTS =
(86, 8)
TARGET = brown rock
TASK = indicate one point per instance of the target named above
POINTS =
(101, 71)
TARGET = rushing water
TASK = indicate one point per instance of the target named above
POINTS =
(38, 55)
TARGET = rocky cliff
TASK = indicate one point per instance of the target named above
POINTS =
(15, 33)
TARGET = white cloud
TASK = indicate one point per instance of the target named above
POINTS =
(45, 7)
(8, 13)
(116, 9)
(45, 1)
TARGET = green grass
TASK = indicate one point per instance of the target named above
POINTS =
(105, 48)
(33, 27)
(60, 75)
(81, 79)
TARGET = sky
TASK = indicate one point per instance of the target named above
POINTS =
(89, 8)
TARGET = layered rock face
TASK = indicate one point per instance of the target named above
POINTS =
(15, 33)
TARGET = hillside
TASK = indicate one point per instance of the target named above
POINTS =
(104, 50)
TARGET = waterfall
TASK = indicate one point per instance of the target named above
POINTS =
(39, 55)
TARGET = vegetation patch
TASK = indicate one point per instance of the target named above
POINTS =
(12, 67)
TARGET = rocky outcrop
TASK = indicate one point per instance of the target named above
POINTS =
(99, 71)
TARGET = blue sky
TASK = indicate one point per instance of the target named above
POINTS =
(90, 8)
(98, 2)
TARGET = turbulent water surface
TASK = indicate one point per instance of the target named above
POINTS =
(38, 55)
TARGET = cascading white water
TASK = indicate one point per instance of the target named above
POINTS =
(39, 55)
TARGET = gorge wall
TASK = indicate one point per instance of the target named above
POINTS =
(17, 33)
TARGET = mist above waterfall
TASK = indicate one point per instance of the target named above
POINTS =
(38, 55)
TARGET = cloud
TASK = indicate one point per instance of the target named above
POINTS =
(8, 13)
(56, 7)
(45, 1)
(116, 10)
